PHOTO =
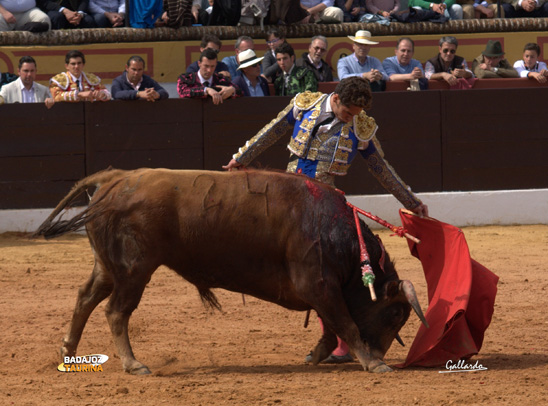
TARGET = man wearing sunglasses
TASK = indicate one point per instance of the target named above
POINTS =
(447, 65)
(313, 59)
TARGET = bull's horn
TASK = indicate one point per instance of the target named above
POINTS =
(398, 338)
(407, 288)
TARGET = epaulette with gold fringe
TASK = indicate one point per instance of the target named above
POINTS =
(307, 100)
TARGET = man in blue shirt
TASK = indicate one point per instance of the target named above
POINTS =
(403, 66)
(360, 63)
(250, 81)
(243, 43)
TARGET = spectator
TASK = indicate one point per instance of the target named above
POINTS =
(243, 43)
(491, 63)
(530, 66)
(525, 8)
(448, 8)
(313, 59)
(200, 12)
(384, 8)
(214, 43)
(76, 85)
(108, 13)
(294, 79)
(206, 82)
(286, 12)
(361, 64)
(402, 66)
(447, 65)
(25, 89)
(250, 81)
(22, 15)
(65, 14)
(322, 10)
(353, 10)
(134, 85)
(271, 70)
(479, 9)
(146, 13)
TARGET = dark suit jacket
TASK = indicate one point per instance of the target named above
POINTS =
(242, 84)
(189, 85)
(73, 5)
(193, 67)
(122, 90)
(324, 74)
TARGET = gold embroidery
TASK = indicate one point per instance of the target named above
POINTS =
(306, 100)
(365, 126)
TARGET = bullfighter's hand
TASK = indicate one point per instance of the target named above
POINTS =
(421, 210)
(227, 91)
(215, 95)
(85, 95)
(232, 165)
(49, 102)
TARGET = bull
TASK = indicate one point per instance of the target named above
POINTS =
(279, 237)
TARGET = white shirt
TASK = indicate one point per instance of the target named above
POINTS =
(524, 71)
(27, 95)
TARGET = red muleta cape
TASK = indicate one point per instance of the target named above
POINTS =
(461, 294)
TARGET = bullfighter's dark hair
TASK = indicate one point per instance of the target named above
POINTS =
(208, 53)
(74, 54)
(26, 59)
(206, 39)
(531, 46)
(285, 48)
(135, 58)
(355, 91)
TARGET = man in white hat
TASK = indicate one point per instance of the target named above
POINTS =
(360, 63)
(250, 81)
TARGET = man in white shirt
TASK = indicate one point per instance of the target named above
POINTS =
(25, 89)
(22, 15)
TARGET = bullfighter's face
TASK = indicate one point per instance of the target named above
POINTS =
(285, 62)
(75, 66)
(207, 67)
(342, 112)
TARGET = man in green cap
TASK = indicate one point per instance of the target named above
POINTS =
(492, 64)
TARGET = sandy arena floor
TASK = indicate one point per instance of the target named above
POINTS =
(254, 354)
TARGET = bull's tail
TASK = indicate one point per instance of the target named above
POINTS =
(51, 228)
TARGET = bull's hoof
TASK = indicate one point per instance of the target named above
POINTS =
(381, 368)
(138, 370)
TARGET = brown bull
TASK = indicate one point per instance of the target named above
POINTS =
(280, 237)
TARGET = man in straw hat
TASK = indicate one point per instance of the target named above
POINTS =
(327, 131)
(360, 63)
(250, 81)
(492, 64)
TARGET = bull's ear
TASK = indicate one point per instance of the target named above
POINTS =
(391, 289)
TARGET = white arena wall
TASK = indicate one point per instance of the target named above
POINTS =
(461, 209)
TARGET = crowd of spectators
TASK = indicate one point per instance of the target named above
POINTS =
(43, 15)
(247, 74)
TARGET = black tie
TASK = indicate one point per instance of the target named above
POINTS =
(206, 84)
(327, 120)
(77, 84)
